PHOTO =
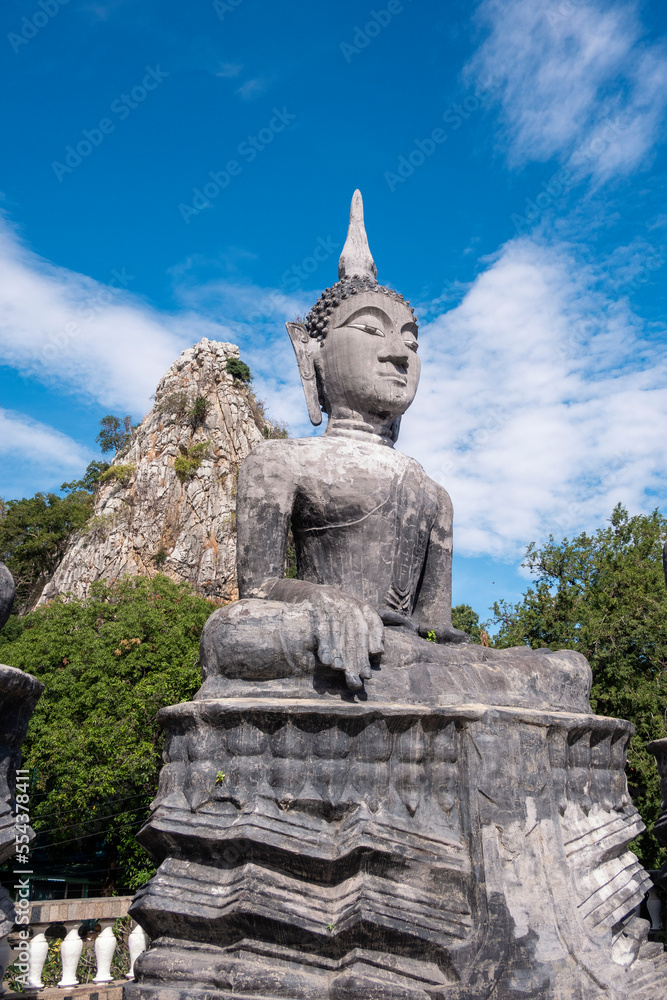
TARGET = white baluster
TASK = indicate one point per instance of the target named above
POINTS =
(5, 960)
(38, 949)
(654, 906)
(70, 953)
(137, 942)
(105, 946)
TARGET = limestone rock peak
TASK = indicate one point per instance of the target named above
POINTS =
(167, 503)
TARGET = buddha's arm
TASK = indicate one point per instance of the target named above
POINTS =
(264, 499)
(433, 610)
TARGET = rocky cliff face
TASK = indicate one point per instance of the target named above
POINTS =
(167, 503)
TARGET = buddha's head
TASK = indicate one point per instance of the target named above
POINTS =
(357, 351)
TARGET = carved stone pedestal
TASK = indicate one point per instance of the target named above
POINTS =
(347, 851)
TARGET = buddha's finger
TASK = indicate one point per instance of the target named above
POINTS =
(358, 643)
(324, 653)
(328, 639)
(353, 680)
(375, 631)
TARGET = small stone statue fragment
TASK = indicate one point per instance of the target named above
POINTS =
(6, 594)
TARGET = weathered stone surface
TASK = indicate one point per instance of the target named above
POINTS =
(349, 811)
(659, 749)
(150, 521)
(6, 594)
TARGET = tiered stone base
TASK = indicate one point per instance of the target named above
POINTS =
(343, 851)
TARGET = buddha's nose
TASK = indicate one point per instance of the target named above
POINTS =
(395, 349)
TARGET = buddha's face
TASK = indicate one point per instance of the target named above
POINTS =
(368, 362)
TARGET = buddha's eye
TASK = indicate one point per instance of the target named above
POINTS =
(412, 344)
(366, 328)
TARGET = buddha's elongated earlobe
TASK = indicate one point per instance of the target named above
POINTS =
(304, 347)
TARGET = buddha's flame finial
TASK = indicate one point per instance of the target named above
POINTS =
(356, 257)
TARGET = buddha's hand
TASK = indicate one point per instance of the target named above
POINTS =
(443, 633)
(346, 632)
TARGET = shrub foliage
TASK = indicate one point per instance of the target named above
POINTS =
(109, 663)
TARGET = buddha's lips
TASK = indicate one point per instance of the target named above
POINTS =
(395, 376)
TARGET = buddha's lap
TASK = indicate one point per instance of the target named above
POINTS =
(257, 647)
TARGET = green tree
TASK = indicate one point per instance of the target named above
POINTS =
(115, 433)
(199, 410)
(90, 480)
(35, 531)
(604, 596)
(109, 663)
(34, 534)
(239, 370)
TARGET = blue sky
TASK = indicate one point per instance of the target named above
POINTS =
(176, 171)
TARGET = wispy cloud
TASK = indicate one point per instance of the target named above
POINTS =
(91, 339)
(228, 70)
(583, 86)
(542, 403)
(251, 89)
(18, 433)
(43, 454)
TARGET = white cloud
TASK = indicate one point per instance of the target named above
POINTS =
(253, 88)
(577, 82)
(87, 338)
(22, 435)
(30, 450)
(541, 405)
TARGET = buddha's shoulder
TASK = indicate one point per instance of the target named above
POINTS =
(283, 451)
(310, 454)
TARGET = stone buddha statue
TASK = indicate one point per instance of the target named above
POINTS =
(349, 811)
(373, 534)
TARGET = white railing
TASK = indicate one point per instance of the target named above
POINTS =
(47, 918)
